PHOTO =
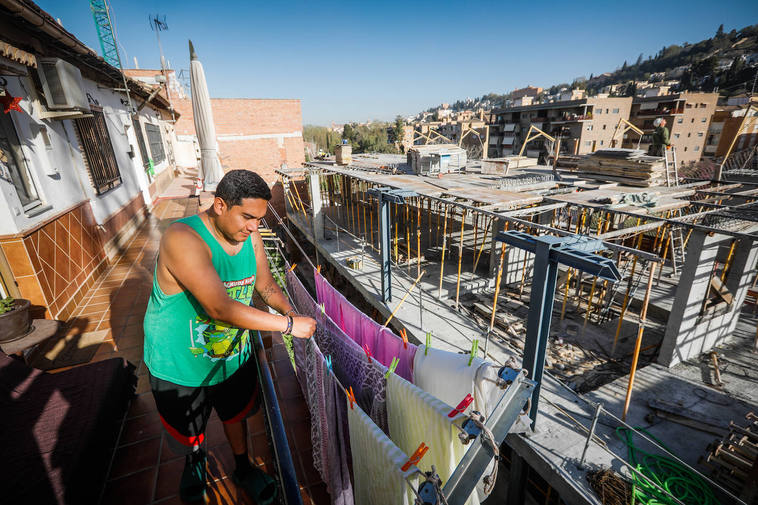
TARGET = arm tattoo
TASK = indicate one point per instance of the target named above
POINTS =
(268, 292)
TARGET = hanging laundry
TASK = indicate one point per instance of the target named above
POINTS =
(447, 376)
(327, 431)
(352, 368)
(382, 342)
(415, 416)
(349, 362)
(377, 463)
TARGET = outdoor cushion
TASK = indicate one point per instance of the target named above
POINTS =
(57, 431)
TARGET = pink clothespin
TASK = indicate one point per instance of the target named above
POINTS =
(367, 351)
(461, 408)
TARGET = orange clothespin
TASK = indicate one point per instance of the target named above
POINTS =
(416, 457)
(461, 406)
(404, 335)
(367, 351)
(292, 267)
(318, 269)
(351, 397)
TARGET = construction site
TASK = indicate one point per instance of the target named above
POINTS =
(548, 298)
(489, 258)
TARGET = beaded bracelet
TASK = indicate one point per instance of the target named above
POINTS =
(288, 331)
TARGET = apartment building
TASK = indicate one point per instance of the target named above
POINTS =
(727, 122)
(687, 116)
(532, 91)
(584, 125)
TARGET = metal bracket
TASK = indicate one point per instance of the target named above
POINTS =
(386, 195)
(506, 376)
(573, 250)
(469, 430)
(462, 482)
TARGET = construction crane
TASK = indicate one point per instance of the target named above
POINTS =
(629, 126)
(102, 17)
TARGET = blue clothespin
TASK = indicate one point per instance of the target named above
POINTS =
(392, 368)
(474, 348)
(428, 343)
(328, 359)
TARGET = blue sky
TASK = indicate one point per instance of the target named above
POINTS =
(359, 61)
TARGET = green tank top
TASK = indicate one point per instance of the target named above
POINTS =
(185, 346)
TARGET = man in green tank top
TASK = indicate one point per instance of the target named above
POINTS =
(197, 328)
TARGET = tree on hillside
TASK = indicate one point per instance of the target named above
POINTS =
(639, 61)
(631, 89)
(720, 31)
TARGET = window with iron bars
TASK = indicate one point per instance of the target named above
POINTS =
(98, 152)
(156, 142)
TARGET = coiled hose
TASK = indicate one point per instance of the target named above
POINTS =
(677, 479)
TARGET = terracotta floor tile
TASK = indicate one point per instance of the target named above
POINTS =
(143, 384)
(142, 404)
(166, 453)
(135, 489)
(142, 427)
(226, 492)
(311, 475)
(288, 387)
(319, 495)
(125, 341)
(135, 457)
(214, 432)
(220, 462)
(300, 434)
(169, 476)
(261, 447)
(293, 409)
(256, 423)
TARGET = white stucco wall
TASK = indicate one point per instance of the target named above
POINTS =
(50, 168)
(58, 171)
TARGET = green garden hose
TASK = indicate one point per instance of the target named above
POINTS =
(674, 477)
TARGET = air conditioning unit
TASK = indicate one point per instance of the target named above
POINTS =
(63, 85)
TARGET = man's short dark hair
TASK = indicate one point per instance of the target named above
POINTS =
(239, 184)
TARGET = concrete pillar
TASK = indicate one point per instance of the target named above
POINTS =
(689, 332)
(314, 183)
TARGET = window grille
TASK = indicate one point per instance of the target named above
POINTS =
(156, 142)
(98, 152)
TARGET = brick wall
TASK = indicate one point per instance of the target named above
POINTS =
(276, 120)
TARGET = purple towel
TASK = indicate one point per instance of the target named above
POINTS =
(330, 446)
(381, 341)
(349, 362)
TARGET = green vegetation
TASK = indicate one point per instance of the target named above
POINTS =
(371, 138)
(7, 304)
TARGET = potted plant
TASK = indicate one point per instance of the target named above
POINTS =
(15, 319)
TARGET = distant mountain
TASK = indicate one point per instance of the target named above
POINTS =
(726, 62)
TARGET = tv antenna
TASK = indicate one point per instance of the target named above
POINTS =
(159, 25)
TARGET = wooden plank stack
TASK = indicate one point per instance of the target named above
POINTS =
(627, 166)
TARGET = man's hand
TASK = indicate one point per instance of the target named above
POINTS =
(303, 327)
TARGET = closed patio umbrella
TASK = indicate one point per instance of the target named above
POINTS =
(210, 166)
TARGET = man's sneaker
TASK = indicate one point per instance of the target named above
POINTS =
(192, 485)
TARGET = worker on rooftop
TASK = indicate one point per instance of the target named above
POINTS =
(660, 138)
